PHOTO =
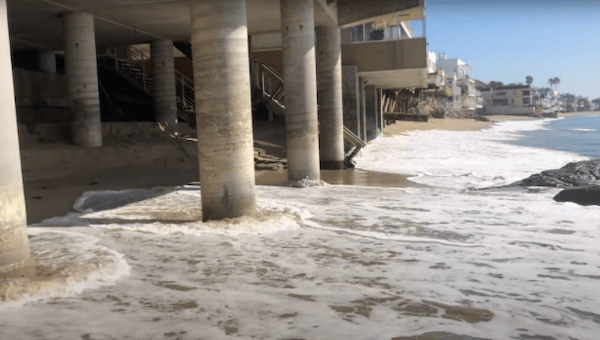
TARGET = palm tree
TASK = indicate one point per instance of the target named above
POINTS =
(529, 80)
(554, 81)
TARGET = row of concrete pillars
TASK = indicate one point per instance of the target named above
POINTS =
(223, 105)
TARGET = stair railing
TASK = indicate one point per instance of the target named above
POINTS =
(140, 58)
(270, 83)
(185, 92)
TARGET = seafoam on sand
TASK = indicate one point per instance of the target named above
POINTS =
(463, 159)
(345, 261)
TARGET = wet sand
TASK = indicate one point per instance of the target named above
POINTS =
(358, 177)
(51, 197)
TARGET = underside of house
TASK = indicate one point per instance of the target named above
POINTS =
(322, 66)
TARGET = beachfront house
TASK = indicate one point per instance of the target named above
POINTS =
(379, 58)
(510, 100)
(464, 94)
(584, 104)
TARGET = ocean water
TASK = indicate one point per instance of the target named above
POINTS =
(333, 262)
(579, 134)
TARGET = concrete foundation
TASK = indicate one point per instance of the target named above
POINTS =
(14, 244)
(82, 78)
(350, 97)
(163, 83)
(223, 107)
(299, 71)
(331, 113)
(46, 62)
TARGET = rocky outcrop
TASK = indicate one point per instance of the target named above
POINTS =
(573, 175)
(581, 196)
(581, 181)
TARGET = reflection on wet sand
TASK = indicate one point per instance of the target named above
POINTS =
(357, 177)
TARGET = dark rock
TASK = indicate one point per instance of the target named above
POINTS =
(550, 115)
(577, 174)
(581, 196)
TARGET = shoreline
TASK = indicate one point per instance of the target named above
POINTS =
(466, 124)
(55, 196)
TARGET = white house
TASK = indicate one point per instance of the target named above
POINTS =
(464, 94)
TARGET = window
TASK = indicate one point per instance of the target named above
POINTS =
(526, 101)
(527, 93)
(500, 94)
(376, 35)
(357, 33)
(500, 102)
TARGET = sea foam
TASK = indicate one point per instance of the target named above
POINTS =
(463, 159)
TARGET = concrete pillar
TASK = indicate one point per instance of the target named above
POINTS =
(363, 110)
(380, 111)
(82, 78)
(300, 74)
(14, 244)
(350, 94)
(163, 83)
(331, 113)
(371, 111)
(223, 107)
(46, 62)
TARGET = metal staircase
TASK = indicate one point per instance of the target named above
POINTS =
(138, 69)
(271, 86)
(184, 47)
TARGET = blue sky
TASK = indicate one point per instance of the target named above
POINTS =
(508, 40)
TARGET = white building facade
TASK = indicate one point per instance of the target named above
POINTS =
(464, 94)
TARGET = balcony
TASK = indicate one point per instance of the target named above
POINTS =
(390, 52)
(391, 63)
(479, 103)
(465, 80)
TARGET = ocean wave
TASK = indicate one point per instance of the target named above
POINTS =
(583, 130)
(464, 159)
(177, 211)
(67, 263)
